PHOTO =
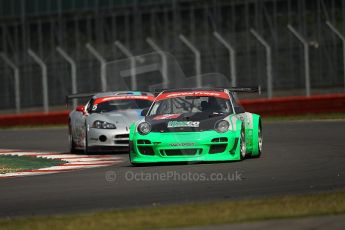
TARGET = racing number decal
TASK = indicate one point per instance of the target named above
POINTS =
(180, 124)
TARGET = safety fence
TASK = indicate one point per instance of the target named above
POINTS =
(52, 48)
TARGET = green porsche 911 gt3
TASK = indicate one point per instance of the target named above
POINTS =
(191, 125)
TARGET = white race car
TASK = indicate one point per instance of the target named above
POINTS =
(102, 125)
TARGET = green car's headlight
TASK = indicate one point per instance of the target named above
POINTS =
(103, 125)
(144, 128)
(222, 126)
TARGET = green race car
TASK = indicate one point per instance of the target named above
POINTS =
(193, 125)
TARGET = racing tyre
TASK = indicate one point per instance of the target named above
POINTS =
(86, 148)
(72, 148)
(243, 148)
(260, 139)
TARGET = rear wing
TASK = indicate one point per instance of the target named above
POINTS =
(79, 95)
(231, 89)
(245, 89)
(75, 97)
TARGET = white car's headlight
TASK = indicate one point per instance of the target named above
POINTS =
(222, 126)
(144, 128)
(103, 125)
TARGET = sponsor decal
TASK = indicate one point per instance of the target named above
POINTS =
(112, 98)
(194, 93)
(181, 124)
(166, 116)
(182, 144)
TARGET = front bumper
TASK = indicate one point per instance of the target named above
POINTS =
(107, 138)
(184, 147)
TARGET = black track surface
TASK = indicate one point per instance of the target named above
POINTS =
(299, 157)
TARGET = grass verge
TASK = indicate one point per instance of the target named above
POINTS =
(191, 214)
(10, 164)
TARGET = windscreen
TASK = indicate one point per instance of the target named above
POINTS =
(191, 104)
(120, 105)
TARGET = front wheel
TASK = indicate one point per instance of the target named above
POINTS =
(243, 145)
(260, 140)
(72, 148)
(258, 147)
(86, 147)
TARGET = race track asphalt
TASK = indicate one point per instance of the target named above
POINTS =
(298, 158)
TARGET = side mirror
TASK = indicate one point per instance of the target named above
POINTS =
(144, 112)
(80, 108)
